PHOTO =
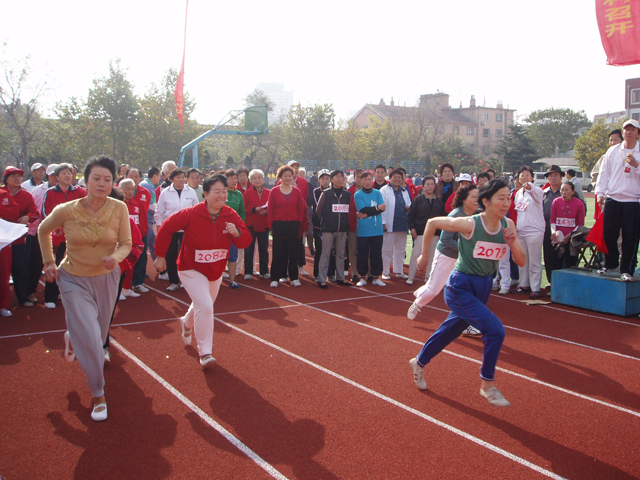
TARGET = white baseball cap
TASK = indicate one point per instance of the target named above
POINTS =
(36, 166)
(464, 177)
(324, 171)
(52, 168)
(632, 123)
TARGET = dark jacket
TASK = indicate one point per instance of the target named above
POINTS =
(440, 185)
(421, 210)
(330, 219)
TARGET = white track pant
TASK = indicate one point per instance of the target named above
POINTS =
(394, 246)
(531, 273)
(441, 269)
(417, 251)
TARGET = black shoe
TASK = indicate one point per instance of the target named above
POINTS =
(355, 279)
(342, 283)
(323, 286)
(312, 252)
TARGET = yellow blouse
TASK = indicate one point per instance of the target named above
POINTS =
(89, 237)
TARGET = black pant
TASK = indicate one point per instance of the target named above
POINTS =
(34, 271)
(621, 216)
(370, 253)
(262, 238)
(286, 246)
(317, 240)
(551, 259)
(51, 290)
(172, 257)
(140, 268)
(106, 343)
(19, 271)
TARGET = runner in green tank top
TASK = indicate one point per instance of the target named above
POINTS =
(481, 245)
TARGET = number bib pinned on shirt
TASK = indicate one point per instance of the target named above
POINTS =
(211, 256)
(490, 251)
(135, 218)
(340, 208)
(566, 222)
(523, 205)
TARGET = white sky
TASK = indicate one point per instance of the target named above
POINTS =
(530, 55)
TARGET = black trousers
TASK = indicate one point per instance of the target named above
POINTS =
(172, 257)
(370, 253)
(621, 216)
(317, 240)
(140, 268)
(286, 245)
(262, 239)
(34, 270)
(51, 290)
(19, 271)
(106, 343)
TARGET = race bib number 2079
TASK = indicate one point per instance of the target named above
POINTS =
(490, 251)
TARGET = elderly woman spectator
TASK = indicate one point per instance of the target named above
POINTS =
(255, 199)
(244, 182)
(235, 200)
(423, 207)
(127, 185)
(19, 251)
(287, 215)
(9, 212)
(174, 198)
(447, 186)
(210, 229)
(98, 236)
(567, 214)
(395, 225)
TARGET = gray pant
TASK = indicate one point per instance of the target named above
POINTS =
(88, 303)
(328, 240)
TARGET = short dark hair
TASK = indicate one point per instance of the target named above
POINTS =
(402, 170)
(211, 179)
(571, 172)
(365, 173)
(526, 168)
(395, 171)
(64, 166)
(117, 194)
(99, 161)
(336, 172)
(175, 172)
(153, 171)
(487, 176)
(462, 194)
(616, 131)
(489, 189)
(428, 177)
(193, 170)
(243, 169)
(446, 165)
(137, 170)
(380, 166)
(230, 173)
(491, 170)
(567, 182)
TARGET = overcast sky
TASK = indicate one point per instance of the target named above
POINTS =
(530, 55)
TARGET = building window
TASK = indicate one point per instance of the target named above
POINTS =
(498, 133)
(486, 117)
(498, 117)
(635, 116)
(485, 149)
(469, 130)
(485, 132)
(635, 96)
(456, 130)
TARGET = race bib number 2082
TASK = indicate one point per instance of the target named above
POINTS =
(211, 256)
(490, 251)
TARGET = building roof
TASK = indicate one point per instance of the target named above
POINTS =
(393, 112)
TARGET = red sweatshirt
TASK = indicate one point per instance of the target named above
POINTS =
(293, 210)
(253, 200)
(205, 244)
(143, 198)
(25, 202)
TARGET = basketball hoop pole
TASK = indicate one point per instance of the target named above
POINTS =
(258, 125)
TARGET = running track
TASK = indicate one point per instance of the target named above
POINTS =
(315, 384)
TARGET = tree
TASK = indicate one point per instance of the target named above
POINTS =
(380, 139)
(309, 132)
(351, 143)
(452, 149)
(258, 97)
(19, 97)
(516, 148)
(594, 143)
(555, 127)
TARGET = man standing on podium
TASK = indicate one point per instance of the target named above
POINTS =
(618, 193)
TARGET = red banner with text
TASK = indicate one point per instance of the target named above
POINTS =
(619, 25)
(179, 91)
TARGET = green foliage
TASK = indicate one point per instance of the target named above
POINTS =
(352, 143)
(555, 127)
(452, 149)
(258, 97)
(308, 133)
(594, 143)
(517, 149)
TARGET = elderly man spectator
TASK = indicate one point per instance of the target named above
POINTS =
(193, 180)
(417, 180)
(618, 192)
(571, 177)
(551, 259)
(167, 167)
(37, 177)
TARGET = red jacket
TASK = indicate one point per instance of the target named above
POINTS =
(27, 206)
(9, 209)
(302, 184)
(56, 196)
(143, 198)
(205, 244)
(294, 210)
(253, 200)
(411, 188)
(136, 248)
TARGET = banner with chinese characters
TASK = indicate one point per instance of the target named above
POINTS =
(619, 25)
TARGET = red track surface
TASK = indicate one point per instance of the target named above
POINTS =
(316, 384)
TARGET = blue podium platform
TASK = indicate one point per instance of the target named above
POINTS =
(601, 293)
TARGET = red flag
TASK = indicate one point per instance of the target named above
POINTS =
(178, 93)
(619, 25)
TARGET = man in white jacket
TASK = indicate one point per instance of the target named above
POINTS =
(395, 225)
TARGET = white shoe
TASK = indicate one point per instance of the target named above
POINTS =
(402, 276)
(247, 277)
(225, 275)
(472, 332)
(69, 356)
(101, 415)
(296, 283)
(379, 282)
(303, 272)
(50, 305)
(283, 280)
(5, 313)
(494, 397)
(346, 274)
(121, 297)
(385, 277)
(207, 361)
(129, 293)
(173, 287)
(274, 284)
(107, 355)
(413, 311)
(186, 333)
(418, 374)
(361, 283)
(164, 276)
(140, 289)
(409, 281)
(625, 277)
(266, 276)
(504, 291)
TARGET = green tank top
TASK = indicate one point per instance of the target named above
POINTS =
(480, 254)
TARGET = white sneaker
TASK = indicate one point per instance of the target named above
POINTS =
(472, 332)
(296, 283)
(267, 276)
(413, 311)
(164, 276)
(5, 313)
(186, 332)
(225, 275)
(50, 305)
(346, 274)
(173, 287)
(303, 272)
(121, 297)
(379, 282)
(402, 276)
(361, 283)
(385, 277)
(274, 284)
(494, 397)
(418, 374)
(107, 355)
(207, 361)
(625, 277)
(140, 289)
(283, 280)
(409, 281)
(504, 291)
(247, 277)
(129, 293)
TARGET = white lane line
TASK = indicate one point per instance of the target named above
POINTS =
(402, 406)
(198, 411)
(473, 360)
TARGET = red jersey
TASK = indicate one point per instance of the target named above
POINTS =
(295, 209)
(27, 206)
(253, 200)
(143, 199)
